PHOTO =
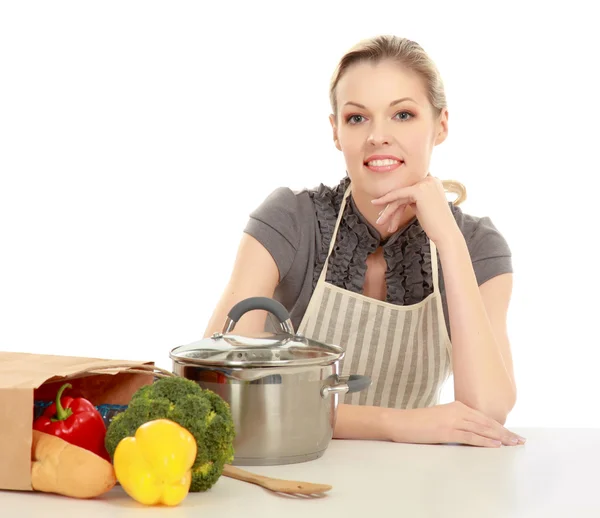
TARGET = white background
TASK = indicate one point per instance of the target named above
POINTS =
(136, 137)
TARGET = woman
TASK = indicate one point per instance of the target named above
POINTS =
(360, 264)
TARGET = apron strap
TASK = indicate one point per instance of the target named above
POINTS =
(333, 236)
(434, 267)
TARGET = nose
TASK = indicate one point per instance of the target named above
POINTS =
(379, 136)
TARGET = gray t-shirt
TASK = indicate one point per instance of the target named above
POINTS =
(296, 228)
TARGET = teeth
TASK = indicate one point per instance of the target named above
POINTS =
(380, 163)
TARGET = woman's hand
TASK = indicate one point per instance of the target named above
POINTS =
(428, 200)
(450, 423)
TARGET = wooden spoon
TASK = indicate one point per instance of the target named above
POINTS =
(277, 485)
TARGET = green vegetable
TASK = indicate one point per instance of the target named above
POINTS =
(205, 414)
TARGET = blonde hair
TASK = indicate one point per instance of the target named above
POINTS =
(410, 55)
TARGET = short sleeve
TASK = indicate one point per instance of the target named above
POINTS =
(274, 223)
(490, 253)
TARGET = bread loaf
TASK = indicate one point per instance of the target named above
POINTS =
(65, 469)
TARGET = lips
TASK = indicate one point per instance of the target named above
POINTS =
(383, 163)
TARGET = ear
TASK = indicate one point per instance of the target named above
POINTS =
(442, 130)
(335, 132)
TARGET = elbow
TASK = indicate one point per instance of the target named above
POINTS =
(499, 408)
(499, 416)
(494, 411)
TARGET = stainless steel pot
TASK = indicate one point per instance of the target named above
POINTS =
(282, 388)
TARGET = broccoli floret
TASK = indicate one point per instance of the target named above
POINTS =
(205, 414)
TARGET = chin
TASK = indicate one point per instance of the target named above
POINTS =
(377, 187)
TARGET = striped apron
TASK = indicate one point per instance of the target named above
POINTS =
(405, 350)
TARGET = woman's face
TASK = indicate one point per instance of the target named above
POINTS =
(385, 127)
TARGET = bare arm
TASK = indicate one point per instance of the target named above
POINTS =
(482, 363)
(450, 423)
(255, 274)
(363, 422)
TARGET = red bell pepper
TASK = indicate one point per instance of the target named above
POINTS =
(76, 421)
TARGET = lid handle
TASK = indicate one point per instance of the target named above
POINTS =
(265, 303)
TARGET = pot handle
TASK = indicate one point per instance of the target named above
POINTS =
(265, 303)
(354, 383)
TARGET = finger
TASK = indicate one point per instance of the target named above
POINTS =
(405, 195)
(490, 432)
(396, 218)
(482, 419)
(387, 212)
(474, 439)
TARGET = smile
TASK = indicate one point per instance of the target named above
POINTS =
(383, 165)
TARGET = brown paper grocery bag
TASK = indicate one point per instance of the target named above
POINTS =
(25, 378)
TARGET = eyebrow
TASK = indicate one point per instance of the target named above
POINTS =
(393, 103)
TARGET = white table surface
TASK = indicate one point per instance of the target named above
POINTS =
(555, 474)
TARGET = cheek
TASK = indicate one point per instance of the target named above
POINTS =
(415, 138)
(351, 144)
(419, 145)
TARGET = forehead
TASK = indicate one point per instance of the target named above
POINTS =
(376, 85)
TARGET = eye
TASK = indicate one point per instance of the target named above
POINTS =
(404, 115)
(354, 119)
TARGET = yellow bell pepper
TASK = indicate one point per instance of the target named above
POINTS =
(154, 467)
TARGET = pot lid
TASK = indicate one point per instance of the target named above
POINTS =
(261, 350)
(284, 348)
